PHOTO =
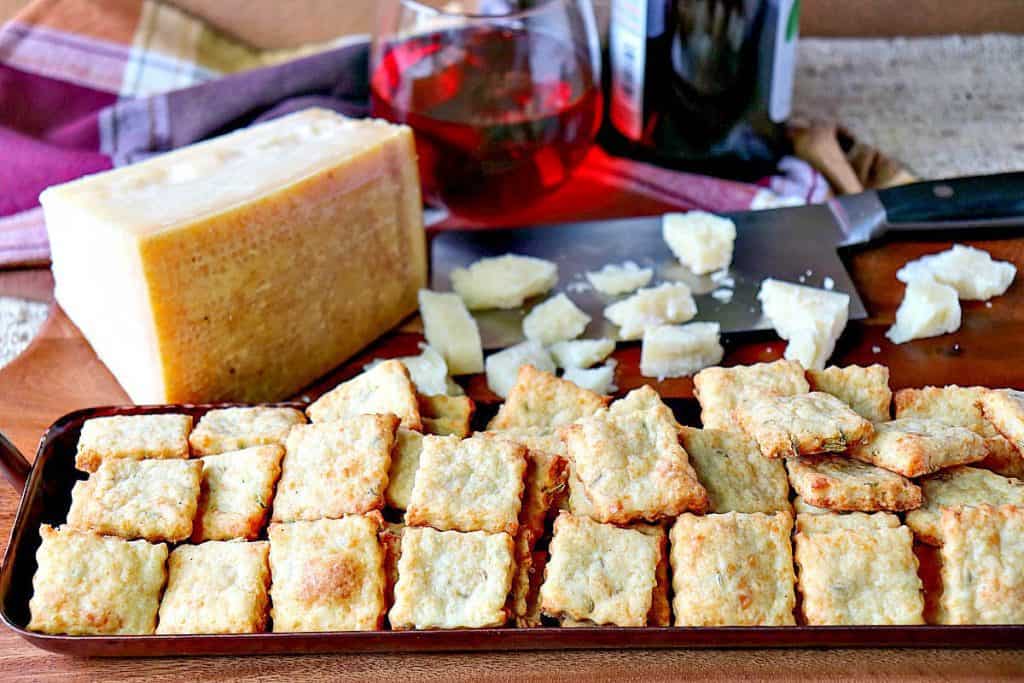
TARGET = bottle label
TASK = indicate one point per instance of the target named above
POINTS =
(780, 99)
(627, 48)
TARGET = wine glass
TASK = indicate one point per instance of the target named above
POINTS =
(504, 97)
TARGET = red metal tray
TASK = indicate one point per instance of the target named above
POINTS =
(46, 496)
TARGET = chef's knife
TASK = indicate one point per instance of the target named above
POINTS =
(796, 244)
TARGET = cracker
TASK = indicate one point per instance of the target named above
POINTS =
(532, 617)
(960, 486)
(95, 585)
(638, 400)
(328, 575)
(865, 389)
(1005, 410)
(734, 473)
(132, 436)
(216, 587)
(824, 521)
(236, 493)
(391, 543)
(332, 469)
(801, 506)
(914, 447)
(405, 460)
(450, 579)
(151, 499)
(600, 573)
(721, 390)
(982, 565)
(856, 572)
(632, 467)
(788, 426)
(541, 401)
(232, 429)
(473, 484)
(443, 415)
(841, 483)
(733, 569)
(660, 613)
(384, 388)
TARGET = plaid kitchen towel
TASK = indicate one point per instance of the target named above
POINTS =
(86, 85)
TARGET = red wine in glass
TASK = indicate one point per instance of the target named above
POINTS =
(501, 115)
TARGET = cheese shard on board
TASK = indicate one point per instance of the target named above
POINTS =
(581, 353)
(244, 267)
(503, 366)
(928, 309)
(671, 302)
(557, 319)
(428, 371)
(452, 331)
(600, 380)
(810, 319)
(702, 241)
(971, 272)
(680, 350)
(623, 278)
(503, 281)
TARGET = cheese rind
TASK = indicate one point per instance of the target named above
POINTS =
(622, 278)
(701, 241)
(451, 330)
(680, 350)
(928, 309)
(557, 319)
(503, 281)
(667, 303)
(503, 367)
(810, 319)
(971, 272)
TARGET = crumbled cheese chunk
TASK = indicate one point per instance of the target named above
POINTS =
(680, 350)
(723, 295)
(503, 281)
(928, 309)
(581, 353)
(451, 330)
(668, 303)
(600, 380)
(620, 279)
(701, 241)
(428, 371)
(810, 319)
(557, 319)
(503, 366)
(971, 272)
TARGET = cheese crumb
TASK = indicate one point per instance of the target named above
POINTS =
(557, 319)
(503, 366)
(451, 330)
(928, 309)
(810, 319)
(723, 295)
(599, 380)
(503, 281)
(971, 272)
(668, 303)
(428, 370)
(620, 279)
(581, 353)
(702, 241)
(680, 350)
(828, 283)
(876, 349)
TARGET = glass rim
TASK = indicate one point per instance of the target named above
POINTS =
(518, 14)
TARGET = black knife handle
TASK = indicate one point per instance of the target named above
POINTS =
(955, 202)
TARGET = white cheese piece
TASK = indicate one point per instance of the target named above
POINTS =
(928, 309)
(428, 370)
(810, 319)
(701, 241)
(453, 388)
(619, 279)
(503, 366)
(451, 330)
(244, 267)
(555, 320)
(671, 302)
(600, 380)
(680, 350)
(971, 272)
(503, 281)
(581, 353)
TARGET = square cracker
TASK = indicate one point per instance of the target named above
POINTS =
(721, 390)
(216, 587)
(332, 469)
(391, 543)
(473, 484)
(95, 585)
(733, 569)
(236, 493)
(444, 415)
(132, 436)
(632, 467)
(960, 486)
(384, 388)
(450, 579)
(982, 565)
(788, 426)
(914, 447)
(734, 473)
(856, 569)
(151, 499)
(865, 389)
(600, 573)
(405, 460)
(532, 617)
(841, 483)
(1004, 408)
(232, 429)
(541, 401)
(328, 575)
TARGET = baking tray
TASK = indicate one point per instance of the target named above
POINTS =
(46, 496)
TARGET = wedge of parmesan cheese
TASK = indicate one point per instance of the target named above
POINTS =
(680, 350)
(600, 380)
(928, 309)
(503, 366)
(428, 370)
(503, 281)
(810, 319)
(620, 279)
(671, 302)
(451, 330)
(702, 241)
(557, 319)
(971, 272)
(581, 353)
